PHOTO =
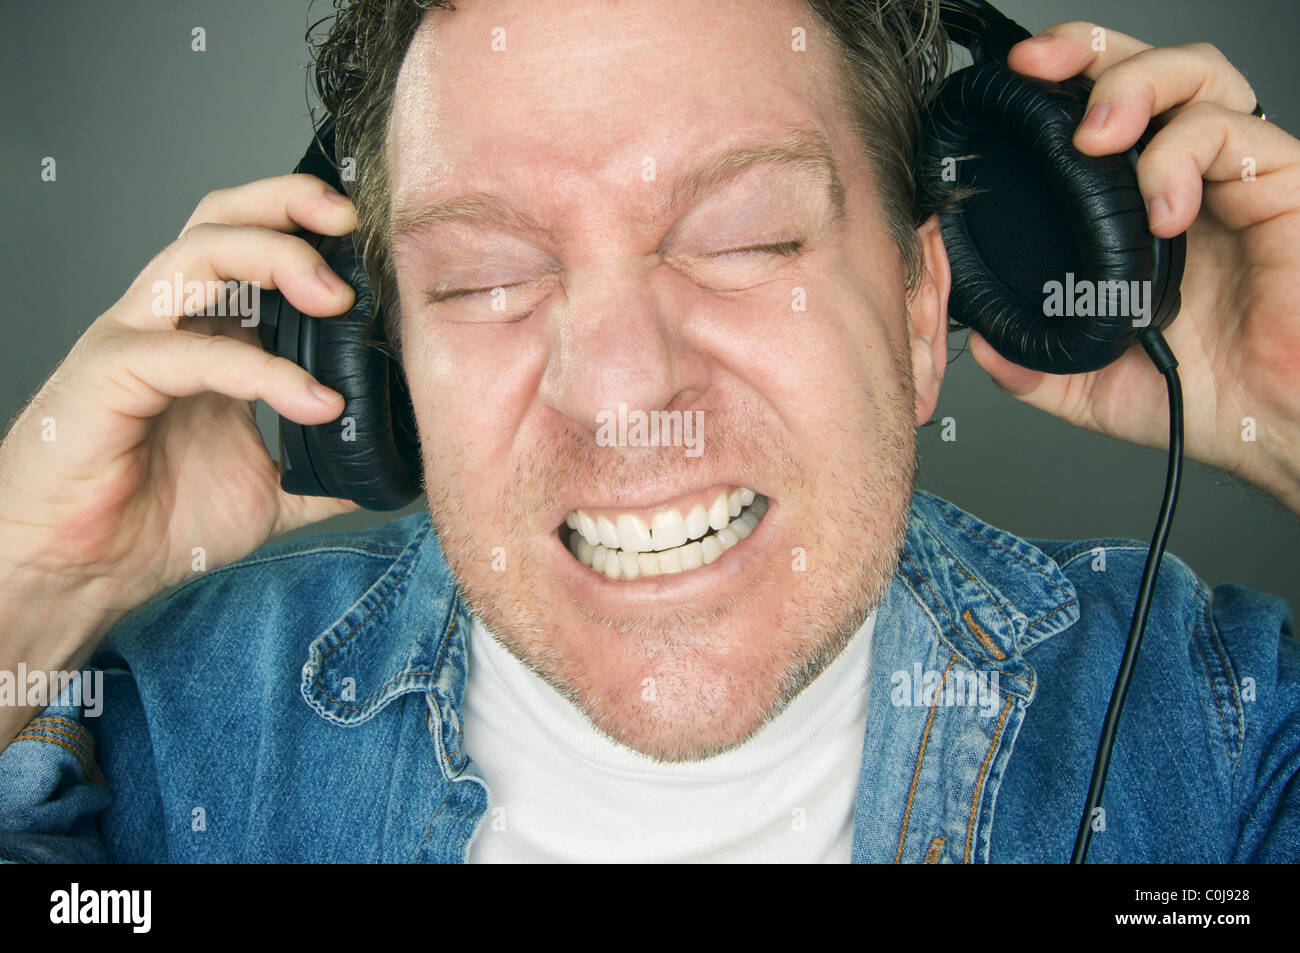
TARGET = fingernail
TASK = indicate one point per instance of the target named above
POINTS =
(332, 282)
(1096, 117)
(338, 197)
(323, 393)
(1157, 210)
(1038, 38)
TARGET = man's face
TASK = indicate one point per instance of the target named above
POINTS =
(679, 218)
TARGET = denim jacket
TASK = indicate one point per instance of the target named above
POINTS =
(304, 705)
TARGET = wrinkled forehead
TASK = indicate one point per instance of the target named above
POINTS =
(591, 88)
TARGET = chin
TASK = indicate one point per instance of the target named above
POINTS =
(679, 604)
(680, 666)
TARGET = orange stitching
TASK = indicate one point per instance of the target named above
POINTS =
(1042, 572)
(979, 783)
(920, 755)
(947, 615)
(83, 743)
(63, 721)
(451, 754)
(936, 848)
(974, 582)
(939, 602)
(983, 636)
(27, 735)
(1063, 605)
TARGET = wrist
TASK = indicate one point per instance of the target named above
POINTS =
(51, 626)
(1269, 460)
(52, 622)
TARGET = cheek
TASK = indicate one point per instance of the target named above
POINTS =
(822, 348)
(470, 387)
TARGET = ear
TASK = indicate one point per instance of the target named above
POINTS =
(927, 312)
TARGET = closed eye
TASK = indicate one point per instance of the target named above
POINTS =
(785, 249)
(451, 294)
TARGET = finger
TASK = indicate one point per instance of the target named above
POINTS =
(1071, 49)
(1159, 81)
(298, 511)
(1257, 164)
(213, 256)
(1133, 81)
(240, 330)
(283, 203)
(139, 374)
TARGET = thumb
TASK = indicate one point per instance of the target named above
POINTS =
(1068, 396)
(298, 511)
(1010, 378)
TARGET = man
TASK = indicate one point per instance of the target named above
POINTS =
(572, 209)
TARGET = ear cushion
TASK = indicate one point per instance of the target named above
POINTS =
(370, 454)
(1045, 213)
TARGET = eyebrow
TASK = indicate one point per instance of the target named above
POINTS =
(802, 148)
(479, 208)
(805, 149)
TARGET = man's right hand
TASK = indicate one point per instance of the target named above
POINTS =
(141, 453)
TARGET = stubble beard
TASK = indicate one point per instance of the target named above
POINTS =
(699, 707)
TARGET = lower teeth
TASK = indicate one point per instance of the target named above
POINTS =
(619, 564)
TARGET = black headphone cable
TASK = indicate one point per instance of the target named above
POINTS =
(1163, 358)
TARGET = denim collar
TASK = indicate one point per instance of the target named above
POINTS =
(405, 634)
(989, 596)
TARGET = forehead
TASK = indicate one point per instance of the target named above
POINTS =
(582, 92)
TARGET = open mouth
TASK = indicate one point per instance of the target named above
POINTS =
(625, 546)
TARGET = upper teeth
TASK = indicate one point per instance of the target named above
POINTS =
(626, 547)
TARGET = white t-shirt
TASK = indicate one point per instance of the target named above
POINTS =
(561, 791)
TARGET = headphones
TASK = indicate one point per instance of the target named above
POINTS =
(1040, 211)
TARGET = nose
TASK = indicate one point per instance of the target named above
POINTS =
(616, 339)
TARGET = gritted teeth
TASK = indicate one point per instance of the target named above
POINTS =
(667, 528)
(670, 545)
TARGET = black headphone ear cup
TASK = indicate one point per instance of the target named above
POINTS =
(1043, 212)
(370, 454)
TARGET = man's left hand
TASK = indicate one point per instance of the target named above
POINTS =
(1232, 181)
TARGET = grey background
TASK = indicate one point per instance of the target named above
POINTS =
(142, 127)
